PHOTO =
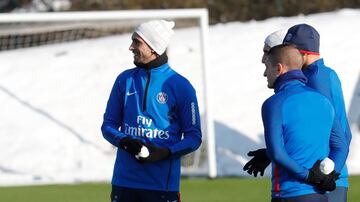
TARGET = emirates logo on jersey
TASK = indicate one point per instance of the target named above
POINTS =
(162, 97)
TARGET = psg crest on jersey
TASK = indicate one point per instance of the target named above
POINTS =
(161, 97)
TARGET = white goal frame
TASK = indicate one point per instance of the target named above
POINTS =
(200, 14)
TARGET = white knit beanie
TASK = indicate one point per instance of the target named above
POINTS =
(275, 38)
(156, 33)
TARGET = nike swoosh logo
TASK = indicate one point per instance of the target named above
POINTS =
(128, 93)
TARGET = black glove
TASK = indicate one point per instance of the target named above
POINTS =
(320, 180)
(258, 163)
(132, 146)
(329, 182)
(315, 175)
(155, 154)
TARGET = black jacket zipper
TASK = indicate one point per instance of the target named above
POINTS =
(148, 76)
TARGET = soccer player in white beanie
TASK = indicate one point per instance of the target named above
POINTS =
(156, 34)
(152, 117)
(274, 39)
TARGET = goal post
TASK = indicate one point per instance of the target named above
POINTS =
(200, 14)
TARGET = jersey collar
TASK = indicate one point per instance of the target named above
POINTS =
(293, 75)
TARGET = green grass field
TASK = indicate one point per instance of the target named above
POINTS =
(197, 190)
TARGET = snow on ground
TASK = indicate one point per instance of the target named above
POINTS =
(53, 97)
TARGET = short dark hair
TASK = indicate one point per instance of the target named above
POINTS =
(286, 54)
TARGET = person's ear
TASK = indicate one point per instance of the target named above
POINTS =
(154, 53)
(280, 69)
(304, 59)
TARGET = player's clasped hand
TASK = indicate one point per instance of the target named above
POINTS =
(258, 163)
(131, 145)
(320, 180)
(155, 154)
(329, 182)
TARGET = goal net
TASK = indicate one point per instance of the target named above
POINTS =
(57, 73)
